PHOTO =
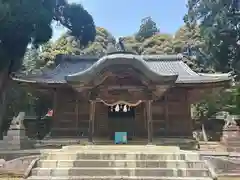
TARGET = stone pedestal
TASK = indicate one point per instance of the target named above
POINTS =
(231, 138)
(16, 138)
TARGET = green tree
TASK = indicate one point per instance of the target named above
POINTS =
(238, 99)
(147, 29)
(156, 44)
(31, 60)
(25, 22)
(220, 28)
(219, 25)
(188, 40)
(68, 44)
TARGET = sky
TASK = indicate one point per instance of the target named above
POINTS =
(123, 17)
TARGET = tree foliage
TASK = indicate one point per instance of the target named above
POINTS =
(219, 29)
(223, 100)
(31, 60)
(219, 25)
(25, 22)
(160, 43)
(147, 29)
(68, 44)
(32, 20)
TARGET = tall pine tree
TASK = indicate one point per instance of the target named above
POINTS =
(147, 29)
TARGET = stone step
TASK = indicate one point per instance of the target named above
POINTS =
(169, 172)
(119, 156)
(236, 141)
(123, 148)
(219, 149)
(231, 140)
(233, 145)
(122, 163)
(233, 149)
(115, 178)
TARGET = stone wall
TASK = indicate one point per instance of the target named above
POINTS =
(224, 165)
(17, 166)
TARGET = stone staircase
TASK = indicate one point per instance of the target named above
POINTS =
(120, 162)
(231, 138)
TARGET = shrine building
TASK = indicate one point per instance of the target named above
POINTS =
(147, 96)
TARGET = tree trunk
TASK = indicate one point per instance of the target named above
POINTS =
(4, 77)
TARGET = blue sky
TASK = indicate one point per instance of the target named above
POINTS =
(123, 17)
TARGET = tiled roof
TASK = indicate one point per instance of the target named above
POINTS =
(159, 64)
(120, 59)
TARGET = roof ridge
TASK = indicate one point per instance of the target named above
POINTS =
(149, 57)
(69, 57)
(162, 57)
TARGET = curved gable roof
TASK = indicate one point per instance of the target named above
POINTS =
(162, 65)
(134, 61)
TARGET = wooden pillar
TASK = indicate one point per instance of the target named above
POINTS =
(54, 116)
(189, 115)
(166, 114)
(54, 104)
(77, 116)
(149, 121)
(91, 121)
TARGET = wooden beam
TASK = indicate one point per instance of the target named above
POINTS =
(91, 121)
(149, 121)
(225, 84)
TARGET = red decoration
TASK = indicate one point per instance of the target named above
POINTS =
(49, 113)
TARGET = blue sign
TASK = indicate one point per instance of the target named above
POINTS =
(120, 138)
